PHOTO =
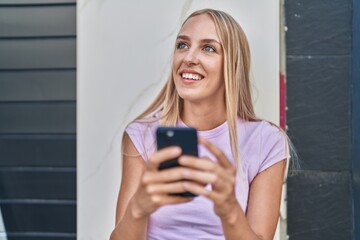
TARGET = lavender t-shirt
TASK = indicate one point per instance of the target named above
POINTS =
(260, 146)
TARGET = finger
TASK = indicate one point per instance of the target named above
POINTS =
(217, 197)
(163, 155)
(164, 189)
(162, 200)
(221, 179)
(225, 185)
(205, 165)
(164, 176)
(197, 189)
(220, 156)
(200, 177)
(178, 174)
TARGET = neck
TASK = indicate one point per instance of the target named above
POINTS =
(203, 116)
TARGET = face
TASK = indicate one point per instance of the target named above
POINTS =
(198, 61)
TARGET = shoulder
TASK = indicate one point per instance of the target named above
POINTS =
(141, 126)
(268, 127)
(260, 129)
(265, 142)
(274, 145)
(142, 135)
(272, 134)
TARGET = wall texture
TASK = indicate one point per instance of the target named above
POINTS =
(124, 56)
(318, 44)
(37, 118)
(356, 114)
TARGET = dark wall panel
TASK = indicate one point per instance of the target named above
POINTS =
(38, 151)
(37, 118)
(39, 217)
(318, 49)
(51, 53)
(38, 21)
(34, 2)
(22, 183)
(319, 111)
(38, 85)
(356, 116)
(319, 206)
(318, 27)
(35, 236)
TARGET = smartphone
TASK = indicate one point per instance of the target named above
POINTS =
(185, 138)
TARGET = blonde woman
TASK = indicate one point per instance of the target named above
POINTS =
(242, 159)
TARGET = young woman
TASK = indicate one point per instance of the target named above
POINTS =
(242, 159)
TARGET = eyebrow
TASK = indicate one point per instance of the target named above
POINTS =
(206, 40)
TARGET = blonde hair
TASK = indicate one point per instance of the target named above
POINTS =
(236, 76)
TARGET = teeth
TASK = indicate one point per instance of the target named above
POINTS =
(191, 76)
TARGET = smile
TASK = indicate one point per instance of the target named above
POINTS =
(191, 76)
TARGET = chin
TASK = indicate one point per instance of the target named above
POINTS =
(190, 93)
(191, 97)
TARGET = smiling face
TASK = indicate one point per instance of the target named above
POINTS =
(198, 62)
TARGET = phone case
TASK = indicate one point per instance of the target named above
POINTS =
(186, 138)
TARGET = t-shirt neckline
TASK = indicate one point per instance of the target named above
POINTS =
(208, 133)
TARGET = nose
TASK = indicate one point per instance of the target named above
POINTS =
(191, 57)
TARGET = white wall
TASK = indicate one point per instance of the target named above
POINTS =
(2, 228)
(124, 50)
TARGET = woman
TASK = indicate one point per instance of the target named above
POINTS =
(242, 159)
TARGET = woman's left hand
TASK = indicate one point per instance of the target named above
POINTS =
(221, 175)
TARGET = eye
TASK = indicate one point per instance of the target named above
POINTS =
(209, 49)
(181, 45)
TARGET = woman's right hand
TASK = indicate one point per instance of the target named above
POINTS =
(155, 186)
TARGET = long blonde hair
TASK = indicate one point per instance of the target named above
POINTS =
(236, 75)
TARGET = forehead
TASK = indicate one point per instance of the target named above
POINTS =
(201, 26)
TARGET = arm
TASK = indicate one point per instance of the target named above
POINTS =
(264, 196)
(144, 189)
(128, 224)
(263, 207)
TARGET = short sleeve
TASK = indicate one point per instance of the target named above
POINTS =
(142, 136)
(274, 147)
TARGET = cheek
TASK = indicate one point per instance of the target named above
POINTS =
(220, 72)
(175, 67)
(215, 71)
(176, 60)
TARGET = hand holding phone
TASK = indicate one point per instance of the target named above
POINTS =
(185, 138)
